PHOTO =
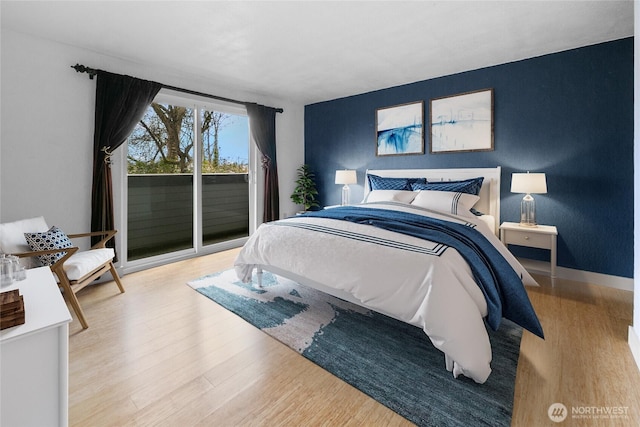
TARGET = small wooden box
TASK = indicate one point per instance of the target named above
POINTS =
(11, 309)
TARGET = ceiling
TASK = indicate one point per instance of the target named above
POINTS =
(311, 51)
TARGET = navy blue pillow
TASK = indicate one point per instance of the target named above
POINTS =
(469, 186)
(384, 183)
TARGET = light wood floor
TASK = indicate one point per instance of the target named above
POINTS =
(162, 354)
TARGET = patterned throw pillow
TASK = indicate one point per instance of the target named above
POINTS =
(386, 183)
(54, 238)
(469, 186)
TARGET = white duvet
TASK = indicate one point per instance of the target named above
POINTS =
(394, 274)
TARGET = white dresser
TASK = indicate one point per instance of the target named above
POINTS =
(34, 357)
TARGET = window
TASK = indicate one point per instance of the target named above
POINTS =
(187, 178)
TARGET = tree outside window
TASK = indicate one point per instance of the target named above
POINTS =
(163, 142)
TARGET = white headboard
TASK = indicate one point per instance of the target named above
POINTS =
(489, 202)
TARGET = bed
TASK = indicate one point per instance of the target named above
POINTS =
(426, 253)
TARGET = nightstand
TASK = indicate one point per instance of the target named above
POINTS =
(542, 236)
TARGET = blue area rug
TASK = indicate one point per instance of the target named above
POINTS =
(391, 361)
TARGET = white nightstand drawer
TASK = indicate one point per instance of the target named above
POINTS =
(524, 238)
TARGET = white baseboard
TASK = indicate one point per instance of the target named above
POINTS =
(624, 283)
(617, 282)
(634, 345)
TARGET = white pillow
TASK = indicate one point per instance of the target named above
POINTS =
(401, 196)
(446, 201)
(12, 238)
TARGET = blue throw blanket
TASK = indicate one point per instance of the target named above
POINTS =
(501, 286)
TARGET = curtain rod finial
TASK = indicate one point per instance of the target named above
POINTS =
(82, 69)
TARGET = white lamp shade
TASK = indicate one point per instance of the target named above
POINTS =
(529, 183)
(346, 177)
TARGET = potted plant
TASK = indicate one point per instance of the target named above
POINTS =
(305, 192)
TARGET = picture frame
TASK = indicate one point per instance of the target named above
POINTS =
(400, 129)
(462, 122)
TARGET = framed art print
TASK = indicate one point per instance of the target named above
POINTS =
(400, 129)
(462, 123)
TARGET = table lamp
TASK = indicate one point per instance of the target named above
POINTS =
(346, 177)
(528, 183)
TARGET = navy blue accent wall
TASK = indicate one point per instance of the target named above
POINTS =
(568, 114)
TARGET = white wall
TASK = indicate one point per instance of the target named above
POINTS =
(634, 332)
(47, 122)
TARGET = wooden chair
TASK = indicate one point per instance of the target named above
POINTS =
(72, 287)
(76, 269)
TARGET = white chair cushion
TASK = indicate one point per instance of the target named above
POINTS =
(82, 263)
(12, 239)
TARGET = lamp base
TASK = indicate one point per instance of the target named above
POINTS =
(345, 195)
(528, 225)
(528, 212)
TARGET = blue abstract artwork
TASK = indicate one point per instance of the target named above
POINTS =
(399, 129)
(462, 122)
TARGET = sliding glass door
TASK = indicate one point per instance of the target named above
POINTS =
(224, 176)
(187, 178)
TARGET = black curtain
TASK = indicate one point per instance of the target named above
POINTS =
(263, 130)
(121, 101)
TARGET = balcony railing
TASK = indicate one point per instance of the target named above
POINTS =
(160, 212)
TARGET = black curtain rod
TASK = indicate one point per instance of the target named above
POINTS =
(92, 72)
